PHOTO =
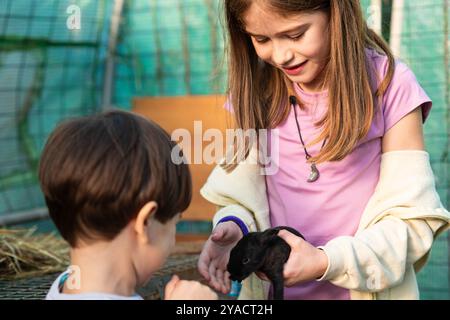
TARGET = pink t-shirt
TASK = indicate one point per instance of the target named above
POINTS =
(332, 206)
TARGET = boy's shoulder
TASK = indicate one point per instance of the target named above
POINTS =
(55, 293)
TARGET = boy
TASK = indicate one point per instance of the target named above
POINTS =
(115, 196)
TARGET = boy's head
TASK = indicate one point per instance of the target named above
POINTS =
(102, 173)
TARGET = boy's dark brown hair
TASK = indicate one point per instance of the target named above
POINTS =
(97, 172)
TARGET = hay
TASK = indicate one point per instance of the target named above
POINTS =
(24, 254)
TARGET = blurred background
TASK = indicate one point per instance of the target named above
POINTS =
(64, 58)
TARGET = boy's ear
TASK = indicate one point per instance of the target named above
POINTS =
(143, 218)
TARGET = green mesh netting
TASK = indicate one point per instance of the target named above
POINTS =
(47, 73)
(168, 47)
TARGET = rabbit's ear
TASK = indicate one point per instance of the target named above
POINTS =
(269, 236)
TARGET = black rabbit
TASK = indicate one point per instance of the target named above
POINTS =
(261, 251)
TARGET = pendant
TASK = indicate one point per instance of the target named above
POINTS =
(314, 174)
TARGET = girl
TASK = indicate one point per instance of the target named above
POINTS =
(352, 171)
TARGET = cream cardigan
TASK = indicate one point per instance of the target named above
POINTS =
(393, 240)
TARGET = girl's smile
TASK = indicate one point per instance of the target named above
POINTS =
(296, 69)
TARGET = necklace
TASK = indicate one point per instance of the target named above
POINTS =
(314, 174)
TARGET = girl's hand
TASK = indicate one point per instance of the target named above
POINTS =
(305, 262)
(213, 260)
(177, 289)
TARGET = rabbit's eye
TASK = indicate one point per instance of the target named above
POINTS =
(245, 260)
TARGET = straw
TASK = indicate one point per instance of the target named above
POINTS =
(24, 254)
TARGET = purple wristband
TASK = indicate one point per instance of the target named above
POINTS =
(236, 220)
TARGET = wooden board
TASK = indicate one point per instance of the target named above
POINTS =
(183, 112)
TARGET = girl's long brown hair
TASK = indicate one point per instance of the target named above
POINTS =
(259, 92)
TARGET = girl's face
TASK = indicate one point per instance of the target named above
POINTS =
(298, 44)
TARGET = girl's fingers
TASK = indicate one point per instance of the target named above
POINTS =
(291, 239)
(227, 281)
(220, 279)
(213, 281)
(202, 266)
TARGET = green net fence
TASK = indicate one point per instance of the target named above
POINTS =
(169, 48)
(51, 70)
(47, 73)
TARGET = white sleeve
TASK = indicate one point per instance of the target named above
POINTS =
(377, 257)
(239, 212)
